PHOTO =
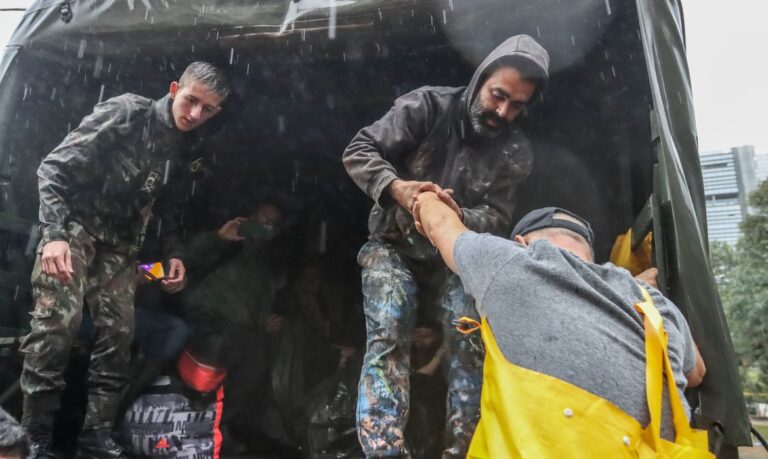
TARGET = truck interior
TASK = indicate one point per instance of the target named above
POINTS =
(307, 75)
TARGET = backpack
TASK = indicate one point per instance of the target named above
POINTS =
(169, 421)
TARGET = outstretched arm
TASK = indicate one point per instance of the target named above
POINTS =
(439, 223)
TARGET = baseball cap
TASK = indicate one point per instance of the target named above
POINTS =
(545, 218)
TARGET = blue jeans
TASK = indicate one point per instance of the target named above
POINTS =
(390, 292)
(160, 336)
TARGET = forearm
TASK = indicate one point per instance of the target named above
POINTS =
(696, 376)
(368, 169)
(54, 209)
(441, 225)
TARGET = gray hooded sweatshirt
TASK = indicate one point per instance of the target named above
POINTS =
(427, 136)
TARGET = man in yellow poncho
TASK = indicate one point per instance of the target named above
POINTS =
(558, 317)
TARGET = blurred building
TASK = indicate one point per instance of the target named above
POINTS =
(761, 160)
(729, 177)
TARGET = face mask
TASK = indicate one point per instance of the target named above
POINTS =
(256, 231)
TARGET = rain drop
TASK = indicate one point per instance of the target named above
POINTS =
(450, 5)
(231, 55)
(608, 7)
(445, 18)
(167, 171)
(81, 49)
(101, 93)
(332, 21)
(98, 66)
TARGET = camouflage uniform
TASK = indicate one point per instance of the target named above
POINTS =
(97, 190)
(428, 136)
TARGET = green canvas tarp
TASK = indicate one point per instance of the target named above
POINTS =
(616, 123)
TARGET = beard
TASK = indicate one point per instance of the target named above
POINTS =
(478, 115)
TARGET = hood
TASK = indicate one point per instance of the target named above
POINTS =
(519, 46)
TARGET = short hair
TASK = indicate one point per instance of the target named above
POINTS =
(207, 74)
(14, 442)
(544, 232)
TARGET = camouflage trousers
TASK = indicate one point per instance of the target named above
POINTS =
(390, 303)
(106, 282)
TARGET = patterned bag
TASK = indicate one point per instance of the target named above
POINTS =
(164, 422)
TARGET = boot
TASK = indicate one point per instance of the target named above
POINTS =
(37, 420)
(40, 441)
(98, 444)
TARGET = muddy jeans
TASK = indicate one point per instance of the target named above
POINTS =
(390, 291)
(106, 282)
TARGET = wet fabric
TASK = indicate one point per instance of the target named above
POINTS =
(165, 422)
(106, 281)
(530, 414)
(159, 336)
(390, 304)
(230, 283)
(107, 173)
(553, 313)
(427, 136)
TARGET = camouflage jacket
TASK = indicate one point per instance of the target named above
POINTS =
(427, 136)
(107, 174)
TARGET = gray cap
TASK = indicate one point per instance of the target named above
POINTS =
(545, 218)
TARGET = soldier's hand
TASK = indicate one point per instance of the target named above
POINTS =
(230, 231)
(405, 191)
(57, 260)
(174, 282)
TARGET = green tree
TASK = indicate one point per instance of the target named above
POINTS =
(742, 277)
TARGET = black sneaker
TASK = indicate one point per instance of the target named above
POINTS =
(41, 451)
(40, 440)
(98, 444)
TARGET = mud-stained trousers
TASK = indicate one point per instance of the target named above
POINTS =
(106, 281)
(390, 293)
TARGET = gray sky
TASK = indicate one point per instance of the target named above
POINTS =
(727, 48)
(728, 60)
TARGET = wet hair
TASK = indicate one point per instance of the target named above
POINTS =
(14, 442)
(528, 70)
(207, 74)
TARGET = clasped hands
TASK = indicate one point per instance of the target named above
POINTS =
(411, 194)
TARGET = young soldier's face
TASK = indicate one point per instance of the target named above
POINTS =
(500, 100)
(193, 105)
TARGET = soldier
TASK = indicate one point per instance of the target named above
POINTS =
(97, 190)
(463, 143)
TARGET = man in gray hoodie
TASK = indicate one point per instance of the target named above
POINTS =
(464, 144)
